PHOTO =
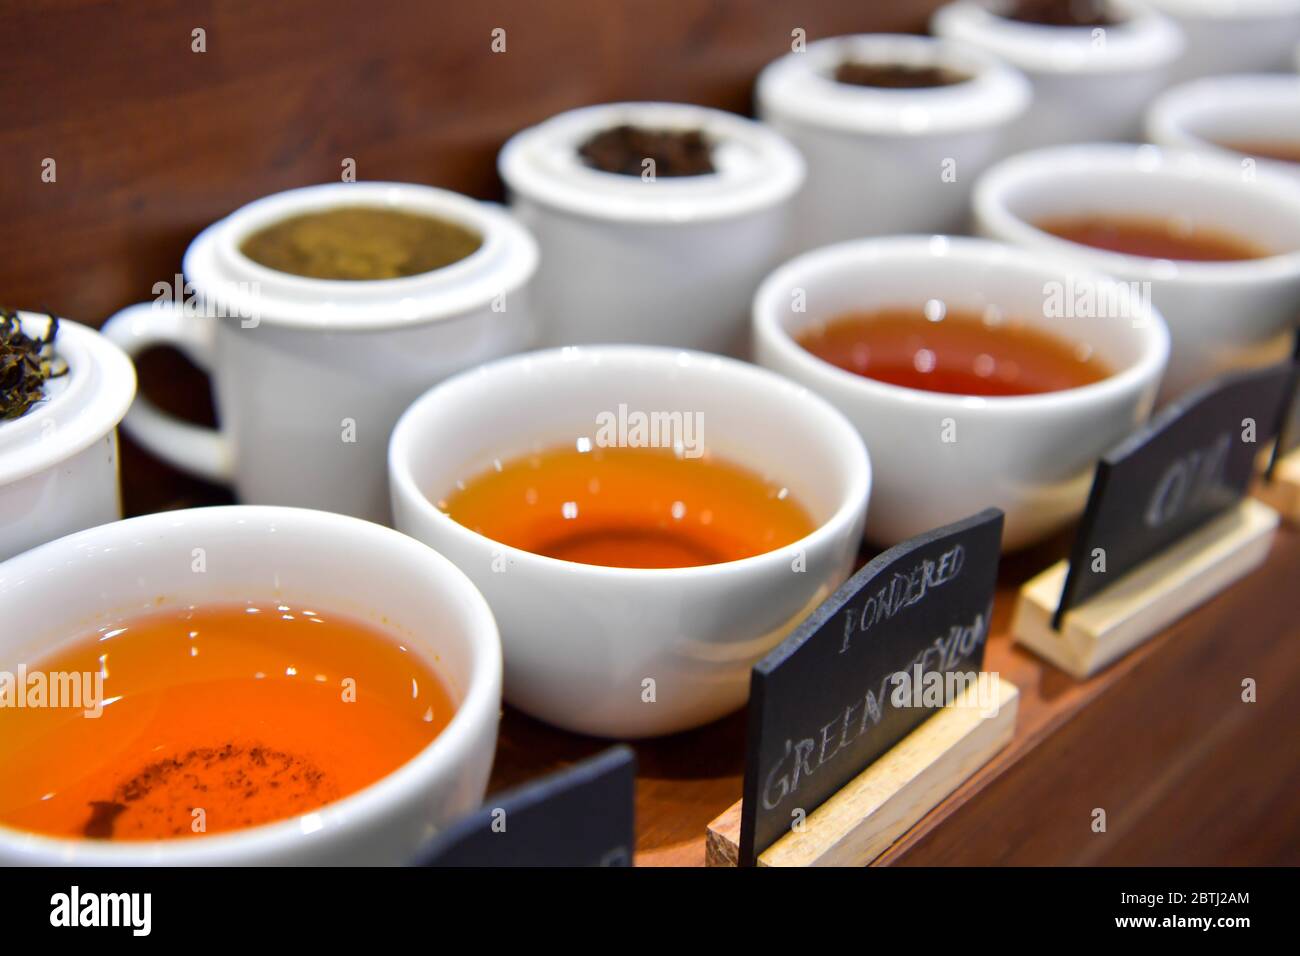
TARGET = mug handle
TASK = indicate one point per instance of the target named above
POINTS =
(202, 451)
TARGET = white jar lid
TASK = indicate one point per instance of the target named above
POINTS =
(801, 89)
(231, 284)
(79, 408)
(1141, 40)
(755, 167)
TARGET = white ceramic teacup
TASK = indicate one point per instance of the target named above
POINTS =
(939, 457)
(888, 160)
(81, 583)
(1089, 83)
(1221, 315)
(581, 641)
(1219, 112)
(309, 375)
(59, 461)
(670, 260)
(1232, 36)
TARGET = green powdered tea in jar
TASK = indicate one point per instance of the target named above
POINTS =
(360, 243)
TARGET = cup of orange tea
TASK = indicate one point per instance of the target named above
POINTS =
(978, 374)
(645, 523)
(240, 685)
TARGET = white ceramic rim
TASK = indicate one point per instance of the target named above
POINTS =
(800, 89)
(1171, 113)
(541, 164)
(224, 275)
(1144, 41)
(639, 359)
(1197, 169)
(357, 811)
(85, 405)
(771, 301)
(1226, 9)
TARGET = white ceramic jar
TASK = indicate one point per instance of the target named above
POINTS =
(883, 160)
(309, 375)
(668, 261)
(59, 461)
(1089, 83)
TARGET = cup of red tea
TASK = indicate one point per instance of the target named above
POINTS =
(646, 523)
(240, 685)
(894, 129)
(978, 374)
(1214, 245)
(1094, 64)
(1253, 119)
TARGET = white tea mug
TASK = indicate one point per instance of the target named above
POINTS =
(309, 375)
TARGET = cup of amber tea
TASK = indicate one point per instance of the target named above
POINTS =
(320, 314)
(240, 685)
(1214, 243)
(978, 374)
(646, 523)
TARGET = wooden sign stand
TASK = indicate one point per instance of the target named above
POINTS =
(1282, 491)
(877, 806)
(1146, 599)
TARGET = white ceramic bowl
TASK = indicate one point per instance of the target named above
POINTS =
(1205, 114)
(70, 587)
(668, 262)
(309, 375)
(888, 160)
(1089, 84)
(1232, 36)
(1221, 315)
(59, 462)
(580, 640)
(940, 457)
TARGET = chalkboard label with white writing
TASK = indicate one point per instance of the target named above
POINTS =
(1194, 461)
(1288, 433)
(579, 816)
(901, 638)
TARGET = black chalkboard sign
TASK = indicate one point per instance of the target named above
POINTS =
(1288, 430)
(1193, 461)
(579, 816)
(832, 697)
